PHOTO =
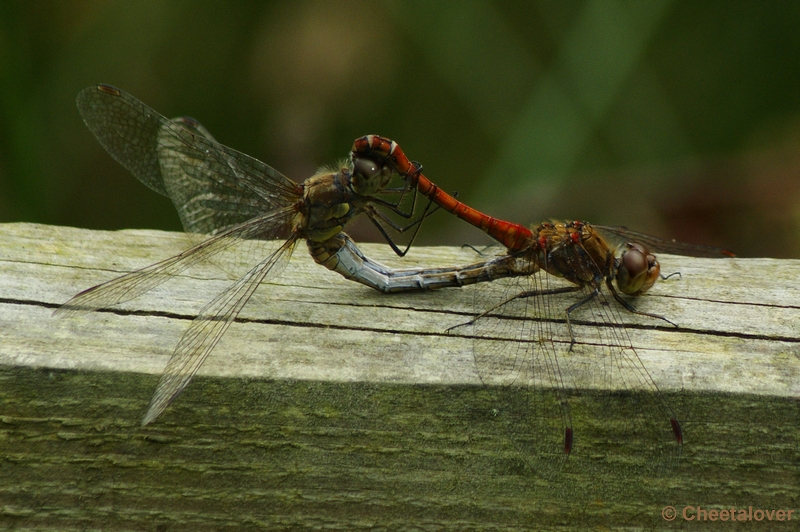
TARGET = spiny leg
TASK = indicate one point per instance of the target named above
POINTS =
(630, 308)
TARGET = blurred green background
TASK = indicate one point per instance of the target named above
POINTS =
(677, 118)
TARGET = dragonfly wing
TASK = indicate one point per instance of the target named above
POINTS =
(180, 159)
(516, 356)
(627, 405)
(208, 201)
(212, 186)
(209, 326)
(622, 235)
(127, 129)
(136, 283)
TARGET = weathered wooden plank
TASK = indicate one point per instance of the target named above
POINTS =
(333, 405)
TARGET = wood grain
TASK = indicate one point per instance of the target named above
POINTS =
(328, 404)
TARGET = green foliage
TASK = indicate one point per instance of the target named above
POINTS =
(684, 114)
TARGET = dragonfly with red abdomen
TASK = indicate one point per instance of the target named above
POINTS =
(525, 341)
(242, 203)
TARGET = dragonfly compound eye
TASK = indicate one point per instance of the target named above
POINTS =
(369, 176)
(637, 270)
(365, 168)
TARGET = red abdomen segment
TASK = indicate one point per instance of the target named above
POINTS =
(513, 236)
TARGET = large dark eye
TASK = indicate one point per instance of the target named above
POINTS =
(366, 168)
(637, 270)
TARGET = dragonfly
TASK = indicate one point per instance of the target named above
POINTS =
(231, 202)
(525, 340)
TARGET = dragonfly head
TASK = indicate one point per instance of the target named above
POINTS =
(369, 177)
(637, 269)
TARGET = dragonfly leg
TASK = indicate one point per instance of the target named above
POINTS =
(379, 219)
(574, 306)
(630, 308)
(481, 252)
(410, 178)
(527, 293)
(394, 206)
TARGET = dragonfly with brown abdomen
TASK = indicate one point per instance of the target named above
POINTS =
(242, 203)
(524, 340)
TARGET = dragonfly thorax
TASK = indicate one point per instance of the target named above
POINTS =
(574, 251)
(326, 205)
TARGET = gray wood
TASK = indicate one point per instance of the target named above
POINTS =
(331, 405)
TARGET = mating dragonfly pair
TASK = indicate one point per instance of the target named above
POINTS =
(234, 200)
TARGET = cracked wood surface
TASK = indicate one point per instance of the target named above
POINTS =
(329, 404)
